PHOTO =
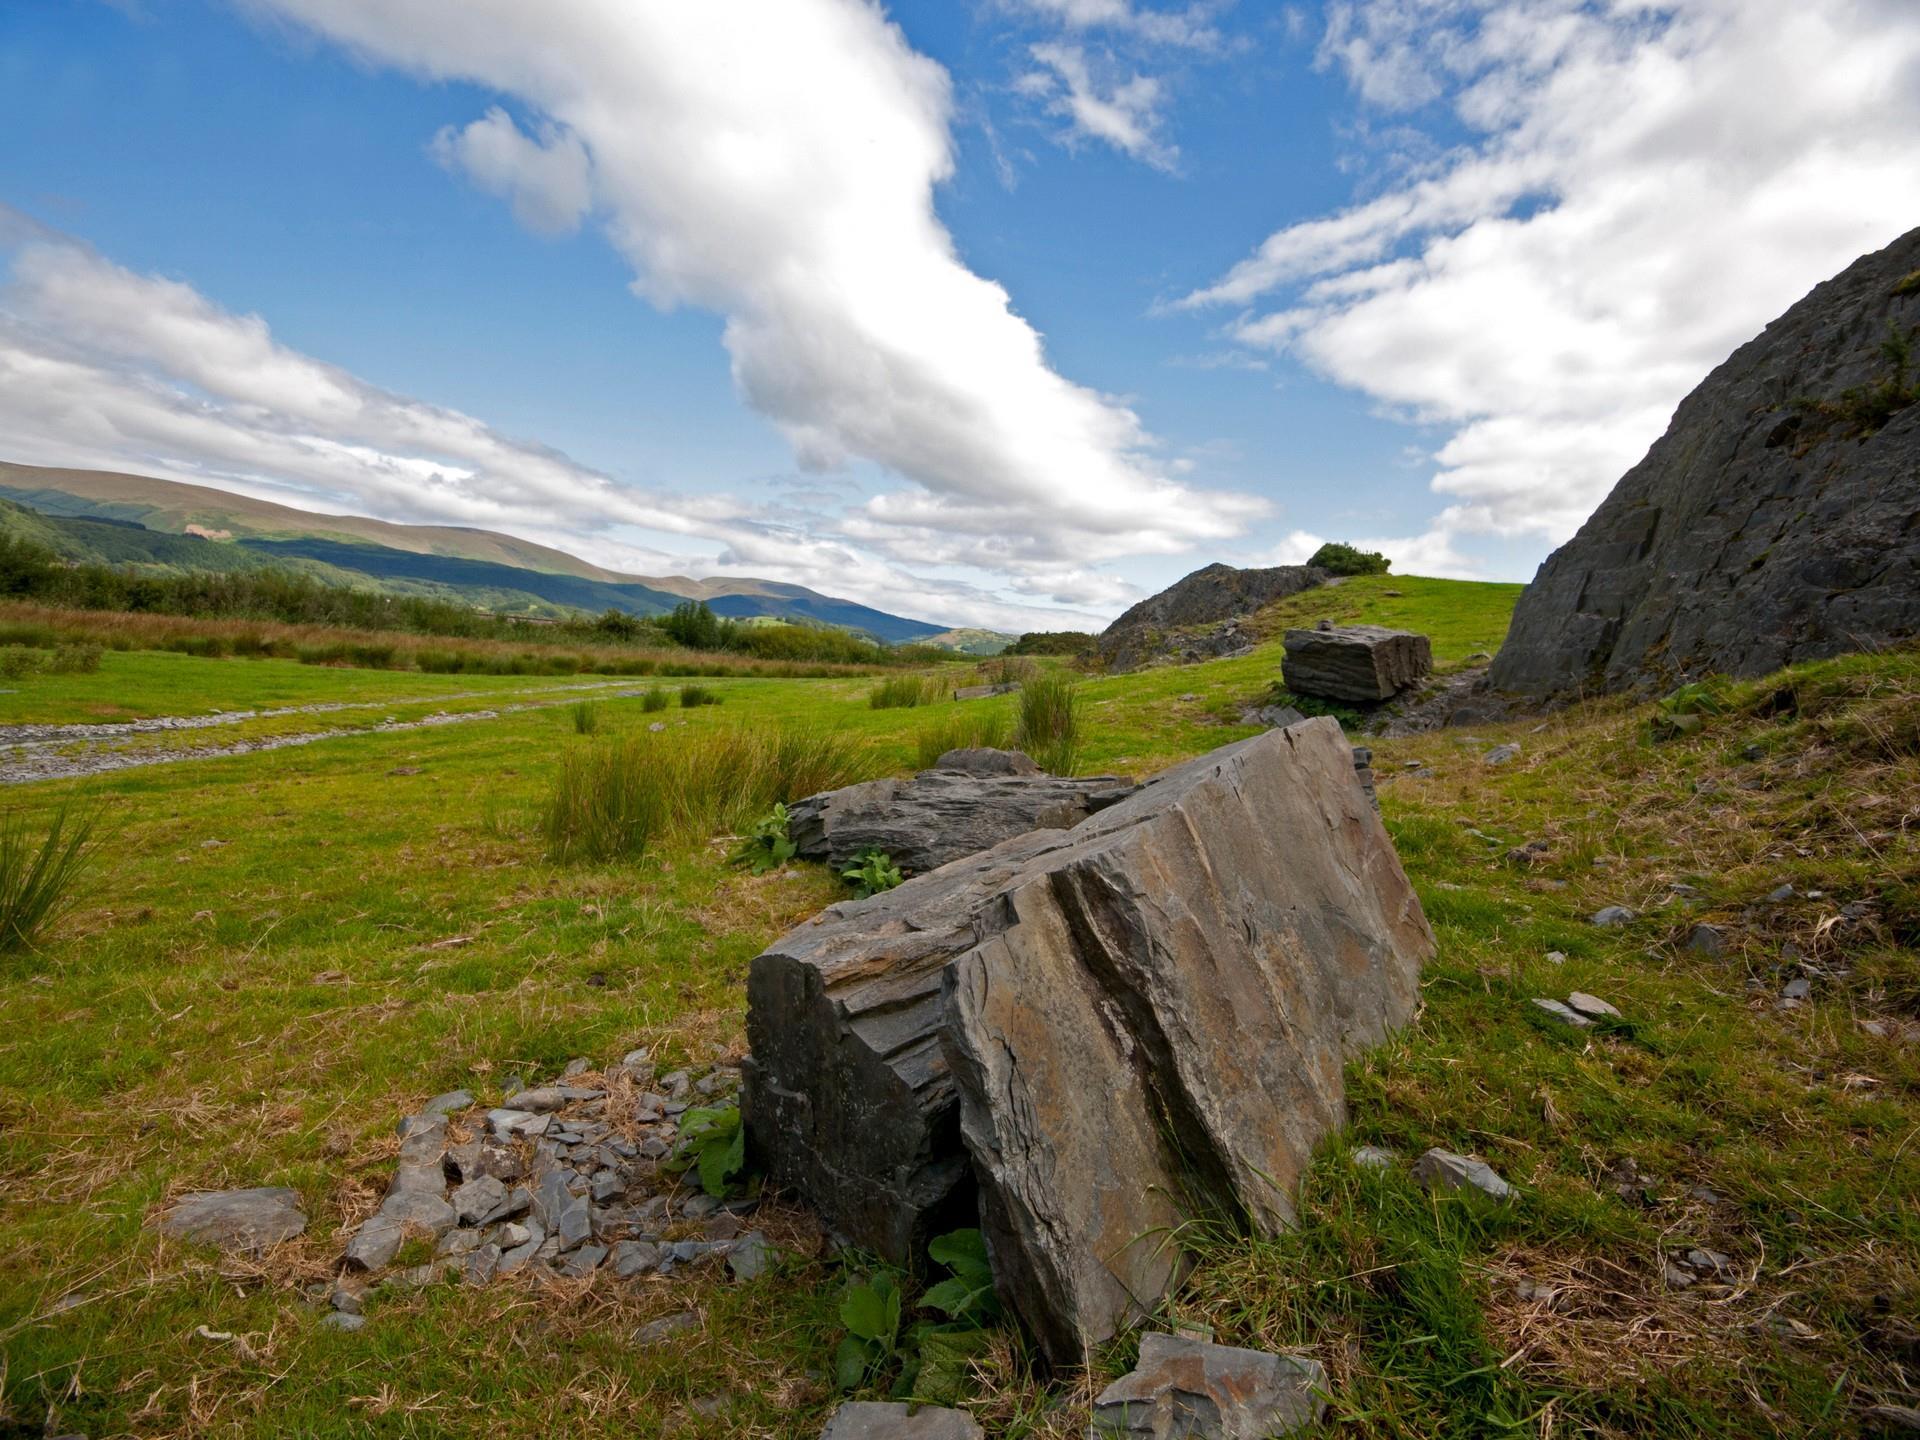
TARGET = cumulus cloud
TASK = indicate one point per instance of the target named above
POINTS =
(548, 181)
(1644, 187)
(1124, 114)
(1192, 27)
(104, 368)
(776, 161)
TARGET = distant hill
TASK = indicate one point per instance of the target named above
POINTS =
(968, 641)
(139, 520)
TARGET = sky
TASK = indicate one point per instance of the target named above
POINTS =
(989, 312)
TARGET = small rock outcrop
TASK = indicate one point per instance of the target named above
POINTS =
(1187, 1389)
(891, 1420)
(246, 1220)
(1777, 520)
(1036, 1021)
(1199, 617)
(971, 801)
(1360, 664)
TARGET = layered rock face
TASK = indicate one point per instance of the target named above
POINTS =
(1364, 664)
(1219, 596)
(971, 801)
(1777, 520)
(1191, 966)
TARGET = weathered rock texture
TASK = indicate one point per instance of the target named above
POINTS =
(1193, 963)
(1170, 625)
(248, 1220)
(1362, 664)
(1186, 1389)
(972, 801)
(1760, 530)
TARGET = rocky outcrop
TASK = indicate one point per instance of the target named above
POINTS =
(1777, 520)
(1201, 616)
(1045, 1020)
(1360, 664)
(971, 801)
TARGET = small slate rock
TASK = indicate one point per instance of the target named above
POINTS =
(635, 1257)
(892, 1420)
(1592, 1006)
(1612, 917)
(1707, 940)
(656, 1332)
(446, 1104)
(1374, 1157)
(1501, 754)
(479, 1201)
(1188, 1388)
(248, 1220)
(342, 1320)
(750, 1256)
(1798, 988)
(1563, 1014)
(1444, 1169)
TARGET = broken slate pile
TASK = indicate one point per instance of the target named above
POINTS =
(970, 801)
(1018, 1034)
(1358, 664)
(561, 1179)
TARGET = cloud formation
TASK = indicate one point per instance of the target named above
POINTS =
(1125, 115)
(103, 368)
(776, 161)
(1646, 185)
(548, 180)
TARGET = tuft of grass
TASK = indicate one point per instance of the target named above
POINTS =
(37, 880)
(962, 730)
(902, 692)
(586, 717)
(1049, 725)
(613, 799)
(655, 699)
(692, 697)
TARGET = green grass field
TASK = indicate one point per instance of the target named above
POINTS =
(274, 956)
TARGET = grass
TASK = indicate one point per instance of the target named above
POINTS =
(585, 715)
(1463, 618)
(1047, 723)
(978, 724)
(209, 1014)
(901, 692)
(37, 880)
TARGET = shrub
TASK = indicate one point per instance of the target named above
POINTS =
(1049, 725)
(654, 699)
(766, 845)
(872, 873)
(905, 691)
(586, 717)
(616, 797)
(1346, 560)
(78, 659)
(17, 661)
(36, 881)
(1052, 642)
(964, 730)
(694, 696)
(713, 1144)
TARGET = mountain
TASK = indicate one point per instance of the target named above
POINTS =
(969, 641)
(1218, 597)
(101, 515)
(1777, 520)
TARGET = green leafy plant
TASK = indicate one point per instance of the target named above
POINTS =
(1685, 711)
(713, 1144)
(870, 1310)
(767, 845)
(37, 880)
(873, 872)
(967, 1294)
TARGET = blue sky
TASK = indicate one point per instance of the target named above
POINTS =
(1291, 264)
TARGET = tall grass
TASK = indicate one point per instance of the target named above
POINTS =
(1048, 727)
(37, 879)
(965, 729)
(612, 799)
(902, 692)
(586, 717)
(692, 697)
(656, 698)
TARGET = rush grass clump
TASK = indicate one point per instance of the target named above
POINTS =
(37, 877)
(902, 692)
(1048, 727)
(963, 730)
(613, 799)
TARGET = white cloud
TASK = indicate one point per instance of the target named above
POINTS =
(1125, 114)
(1647, 186)
(776, 160)
(549, 181)
(102, 368)
(1192, 27)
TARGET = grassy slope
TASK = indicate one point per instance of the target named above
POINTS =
(255, 986)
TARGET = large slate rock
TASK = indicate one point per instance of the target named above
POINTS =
(247, 1220)
(1195, 961)
(941, 815)
(1187, 1389)
(1362, 664)
(1759, 531)
(1165, 625)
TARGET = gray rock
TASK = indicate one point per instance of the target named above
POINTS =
(509, 1124)
(1360, 664)
(750, 1256)
(424, 1210)
(342, 1320)
(1187, 1389)
(1442, 1169)
(446, 1104)
(482, 1265)
(635, 1257)
(1758, 532)
(1707, 940)
(1781, 895)
(982, 692)
(1501, 754)
(1556, 957)
(982, 760)
(519, 1256)
(543, 1101)
(891, 1420)
(1274, 717)
(937, 816)
(1104, 979)
(564, 1214)
(456, 1243)
(375, 1243)
(480, 1201)
(249, 1220)
(1592, 1006)
(583, 1260)
(1218, 597)
(1565, 1014)
(1612, 917)
(1798, 988)
(658, 1332)
(486, 1156)
(1373, 1157)
(698, 1206)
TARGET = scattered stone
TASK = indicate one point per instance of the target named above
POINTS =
(1798, 988)
(750, 1257)
(583, 1260)
(1556, 957)
(482, 1265)
(1374, 1157)
(1612, 917)
(1707, 940)
(563, 1214)
(542, 1101)
(1274, 717)
(345, 1297)
(891, 1420)
(1592, 1006)
(507, 1124)
(1501, 754)
(698, 1206)
(1361, 664)
(1188, 1388)
(475, 1158)
(448, 1103)
(658, 1332)
(246, 1220)
(1564, 1014)
(983, 760)
(1780, 896)
(343, 1320)
(635, 1257)
(1677, 1278)
(481, 1201)
(1060, 956)
(457, 1243)
(579, 1065)
(1446, 1170)
(1711, 1262)
(375, 1243)
(518, 1256)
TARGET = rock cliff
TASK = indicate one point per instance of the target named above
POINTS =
(1198, 618)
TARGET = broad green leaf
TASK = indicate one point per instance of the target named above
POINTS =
(851, 1363)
